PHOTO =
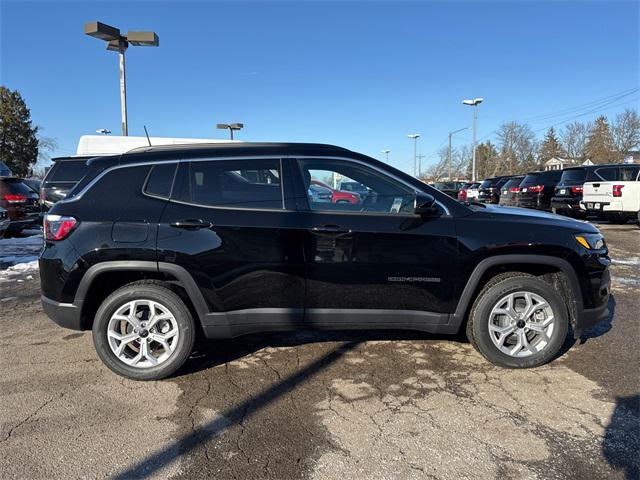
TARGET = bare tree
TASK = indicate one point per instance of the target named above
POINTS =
(574, 139)
(46, 147)
(518, 146)
(626, 131)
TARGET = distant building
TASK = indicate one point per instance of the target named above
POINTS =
(557, 163)
(632, 157)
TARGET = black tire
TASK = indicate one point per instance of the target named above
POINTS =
(148, 290)
(504, 284)
(617, 218)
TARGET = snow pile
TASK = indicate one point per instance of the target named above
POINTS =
(15, 251)
(19, 271)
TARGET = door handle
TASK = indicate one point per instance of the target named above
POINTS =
(191, 224)
(330, 229)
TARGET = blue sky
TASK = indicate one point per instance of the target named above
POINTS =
(357, 74)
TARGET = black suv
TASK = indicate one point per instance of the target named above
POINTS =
(489, 191)
(568, 191)
(60, 179)
(536, 189)
(162, 244)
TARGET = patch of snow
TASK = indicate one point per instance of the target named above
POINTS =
(625, 280)
(629, 261)
(14, 251)
(14, 272)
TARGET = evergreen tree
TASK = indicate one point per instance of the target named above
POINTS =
(18, 138)
(551, 147)
(600, 147)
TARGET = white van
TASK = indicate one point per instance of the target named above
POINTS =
(100, 145)
(617, 197)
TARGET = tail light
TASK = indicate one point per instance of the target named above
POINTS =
(514, 189)
(536, 188)
(617, 190)
(462, 194)
(576, 189)
(58, 227)
(15, 198)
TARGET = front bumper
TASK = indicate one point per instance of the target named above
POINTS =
(66, 315)
(588, 317)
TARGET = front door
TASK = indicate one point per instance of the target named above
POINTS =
(373, 262)
(228, 225)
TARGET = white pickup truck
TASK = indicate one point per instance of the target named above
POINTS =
(617, 197)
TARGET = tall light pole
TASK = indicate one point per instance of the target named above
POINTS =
(231, 127)
(420, 157)
(415, 137)
(474, 103)
(386, 155)
(451, 134)
(119, 43)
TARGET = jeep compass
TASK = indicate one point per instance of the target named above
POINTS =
(159, 245)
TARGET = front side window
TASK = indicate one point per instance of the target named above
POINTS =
(339, 185)
(253, 184)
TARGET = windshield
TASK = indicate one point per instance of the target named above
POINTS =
(68, 171)
(17, 187)
(574, 175)
(513, 182)
(486, 183)
(532, 179)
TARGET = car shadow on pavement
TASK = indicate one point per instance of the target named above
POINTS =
(621, 443)
(230, 417)
(212, 353)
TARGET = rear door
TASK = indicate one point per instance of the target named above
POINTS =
(228, 225)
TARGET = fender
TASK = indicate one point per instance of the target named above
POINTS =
(176, 271)
(467, 294)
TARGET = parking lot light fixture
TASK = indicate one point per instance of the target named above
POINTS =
(231, 127)
(386, 155)
(116, 42)
(474, 103)
(415, 137)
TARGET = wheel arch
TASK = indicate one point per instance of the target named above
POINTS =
(569, 286)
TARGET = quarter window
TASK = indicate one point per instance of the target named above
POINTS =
(338, 185)
(160, 180)
(251, 184)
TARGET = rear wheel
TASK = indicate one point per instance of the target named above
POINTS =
(143, 331)
(518, 321)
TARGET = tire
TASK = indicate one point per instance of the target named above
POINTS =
(174, 317)
(617, 218)
(492, 296)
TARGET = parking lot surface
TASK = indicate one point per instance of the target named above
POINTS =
(380, 405)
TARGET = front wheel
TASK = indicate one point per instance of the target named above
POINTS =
(143, 331)
(518, 321)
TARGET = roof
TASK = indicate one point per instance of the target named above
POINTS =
(101, 145)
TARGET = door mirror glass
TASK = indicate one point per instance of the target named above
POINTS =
(426, 204)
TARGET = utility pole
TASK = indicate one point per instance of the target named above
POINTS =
(420, 157)
(415, 137)
(451, 134)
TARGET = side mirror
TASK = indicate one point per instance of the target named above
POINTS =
(425, 204)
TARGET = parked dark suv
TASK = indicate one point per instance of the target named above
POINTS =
(61, 178)
(536, 189)
(21, 203)
(162, 244)
(489, 191)
(568, 191)
(510, 190)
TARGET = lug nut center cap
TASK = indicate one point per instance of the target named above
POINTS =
(520, 324)
(144, 333)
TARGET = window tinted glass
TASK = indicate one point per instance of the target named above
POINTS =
(486, 183)
(16, 186)
(377, 193)
(532, 179)
(68, 171)
(513, 182)
(574, 175)
(160, 180)
(618, 174)
(234, 184)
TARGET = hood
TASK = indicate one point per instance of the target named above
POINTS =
(533, 217)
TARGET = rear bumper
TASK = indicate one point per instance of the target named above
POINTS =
(565, 203)
(66, 315)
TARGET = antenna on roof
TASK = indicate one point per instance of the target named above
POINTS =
(147, 134)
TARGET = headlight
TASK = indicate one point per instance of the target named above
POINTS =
(591, 241)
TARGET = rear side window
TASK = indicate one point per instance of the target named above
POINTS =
(619, 174)
(160, 180)
(68, 171)
(251, 184)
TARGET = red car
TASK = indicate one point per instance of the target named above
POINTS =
(338, 196)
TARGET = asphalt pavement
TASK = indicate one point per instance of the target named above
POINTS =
(335, 405)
